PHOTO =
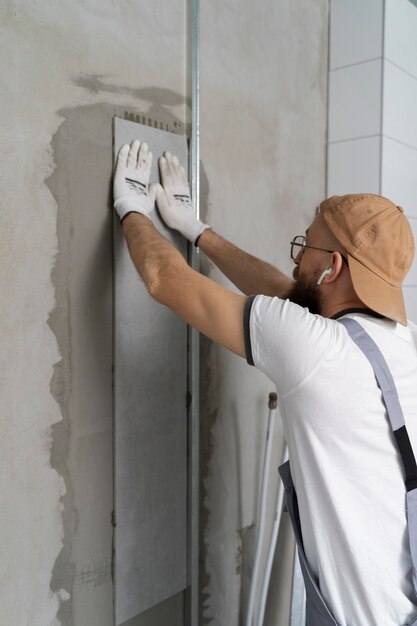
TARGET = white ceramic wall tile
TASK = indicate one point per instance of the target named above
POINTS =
(400, 43)
(355, 101)
(410, 297)
(355, 31)
(399, 175)
(411, 278)
(353, 166)
(400, 105)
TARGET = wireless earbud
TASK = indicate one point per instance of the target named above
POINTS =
(326, 272)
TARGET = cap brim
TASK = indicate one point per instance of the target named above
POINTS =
(376, 293)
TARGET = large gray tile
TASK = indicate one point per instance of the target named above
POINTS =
(354, 166)
(168, 613)
(356, 29)
(399, 180)
(400, 43)
(355, 95)
(400, 105)
(150, 416)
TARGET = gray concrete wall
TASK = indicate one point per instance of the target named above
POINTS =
(67, 68)
(263, 131)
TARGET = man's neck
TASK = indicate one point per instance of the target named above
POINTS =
(362, 309)
(350, 304)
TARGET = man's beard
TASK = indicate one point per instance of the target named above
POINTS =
(306, 293)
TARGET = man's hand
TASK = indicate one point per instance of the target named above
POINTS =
(131, 180)
(174, 199)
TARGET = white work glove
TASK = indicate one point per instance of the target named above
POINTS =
(174, 199)
(131, 180)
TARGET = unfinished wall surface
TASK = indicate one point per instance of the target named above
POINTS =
(263, 131)
(67, 68)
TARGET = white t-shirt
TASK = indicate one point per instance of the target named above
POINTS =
(344, 461)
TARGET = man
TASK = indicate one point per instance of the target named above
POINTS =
(353, 507)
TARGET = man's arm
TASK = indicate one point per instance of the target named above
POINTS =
(251, 275)
(213, 310)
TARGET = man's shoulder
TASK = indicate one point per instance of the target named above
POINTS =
(391, 337)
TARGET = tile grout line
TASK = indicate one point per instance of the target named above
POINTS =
(402, 143)
(381, 58)
(348, 65)
(354, 138)
(400, 68)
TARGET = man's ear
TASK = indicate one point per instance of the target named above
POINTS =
(337, 266)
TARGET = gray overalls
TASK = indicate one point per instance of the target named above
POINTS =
(317, 611)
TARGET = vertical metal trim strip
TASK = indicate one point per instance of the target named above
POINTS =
(193, 335)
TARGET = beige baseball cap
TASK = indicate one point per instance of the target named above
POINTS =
(380, 246)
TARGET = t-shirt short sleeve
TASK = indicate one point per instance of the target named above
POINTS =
(285, 340)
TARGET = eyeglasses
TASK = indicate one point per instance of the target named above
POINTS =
(301, 242)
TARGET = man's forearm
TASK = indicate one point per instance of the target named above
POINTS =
(251, 275)
(150, 251)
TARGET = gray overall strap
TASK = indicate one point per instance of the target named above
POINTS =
(395, 415)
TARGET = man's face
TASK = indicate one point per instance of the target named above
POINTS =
(309, 265)
(306, 292)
